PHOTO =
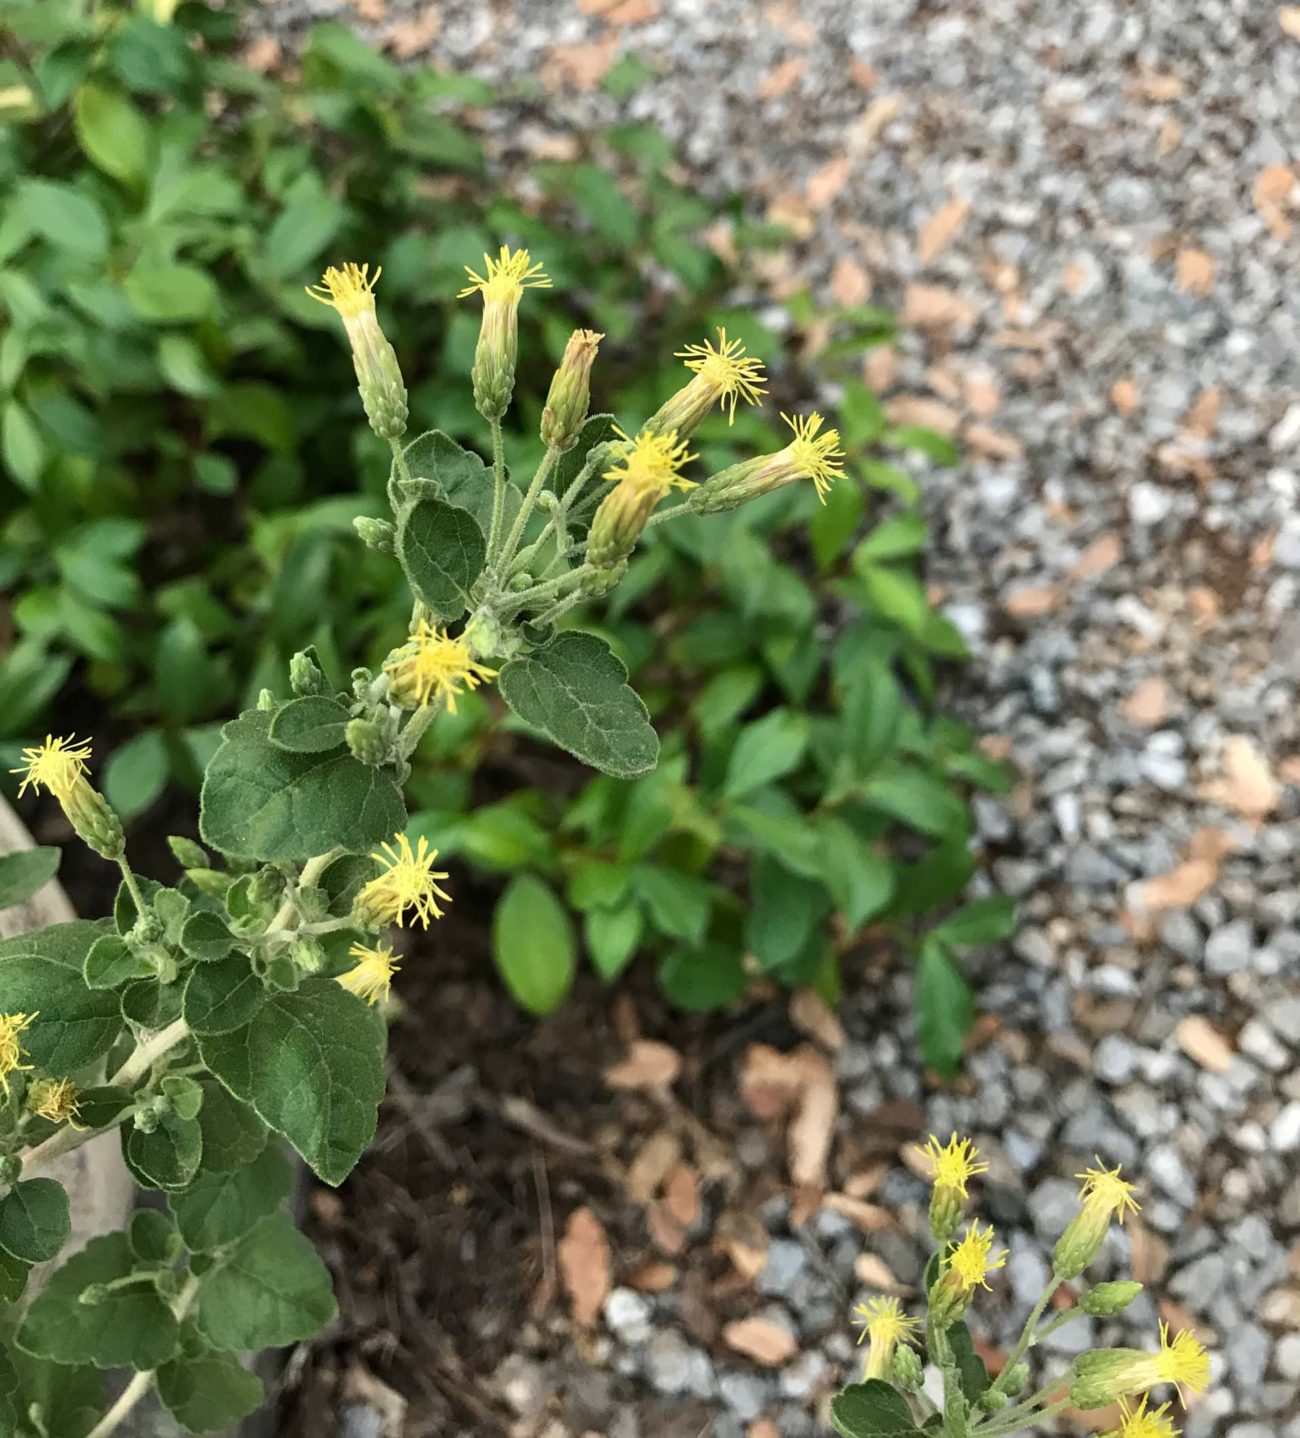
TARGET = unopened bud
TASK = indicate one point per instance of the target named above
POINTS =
(811, 454)
(570, 393)
(603, 581)
(519, 582)
(992, 1400)
(305, 676)
(1107, 1299)
(949, 1300)
(376, 534)
(369, 741)
(308, 954)
(947, 1204)
(265, 888)
(265, 701)
(1014, 1379)
(907, 1368)
(96, 824)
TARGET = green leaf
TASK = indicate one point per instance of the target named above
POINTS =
(219, 1208)
(233, 1135)
(928, 442)
(785, 910)
(309, 221)
(766, 750)
(699, 979)
(985, 921)
(168, 294)
(974, 1375)
(532, 942)
(167, 1158)
(113, 133)
(109, 964)
(62, 944)
(872, 1410)
(271, 1290)
(574, 691)
(13, 1279)
(222, 995)
(205, 936)
(73, 1024)
(860, 880)
(136, 773)
(129, 1327)
(442, 551)
(209, 1392)
(897, 594)
(34, 1221)
(898, 537)
(261, 802)
(311, 1063)
(153, 1236)
(612, 937)
(873, 711)
(918, 798)
(678, 904)
(24, 450)
(310, 725)
(65, 217)
(945, 1008)
(22, 874)
(465, 479)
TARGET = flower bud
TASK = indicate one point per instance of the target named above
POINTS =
(308, 954)
(570, 394)
(351, 291)
(368, 740)
(992, 1400)
(305, 676)
(1015, 1378)
(908, 1371)
(495, 358)
(266, 702)
(378, 534)
(1107, 1299)
(11, 1168)
(97, 826)
(1105, 1375)
(949, 1300)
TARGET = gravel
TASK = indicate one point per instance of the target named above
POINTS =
(1119, 545)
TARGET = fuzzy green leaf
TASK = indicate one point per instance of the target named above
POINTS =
(109, 963)
(311, 725)
(212, 1391)
(222, 996)
(311, 1063)
(260, 802)
(129, 1327)
(167, 1158)
(205, 936)
(271, 1290)
(22, 874)
(575, 691)
(73, 1024)
(34, 1221)
(532, 942)
(442, 549)
(233, 1135)
(872, 1410)
(219, 1208)
(465, 479)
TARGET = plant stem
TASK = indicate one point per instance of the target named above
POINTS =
(662, 516)
(996, 1429)
(132, 884)
(142, 1382)
(311, 871)
(399, 459)
(1027, 1333)
(558, 523)
(562, 606)
(498, 487)
(549, 587)
(526, 508)
(415, 727)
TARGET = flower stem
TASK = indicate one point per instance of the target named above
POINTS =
(526, 508)
(1027, 1334)
(562, 606)
(530, 597)
(399, 459)
(416, 725)
(498, 487)
(132, 885)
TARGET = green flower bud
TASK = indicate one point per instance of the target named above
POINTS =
(908, 1371)
(724, 374)
(809, 455)
(1107, 1299)
(1104, 1195)
(369, 741)
(305, 676)
(266, 887)
(570, 394)
(308, 954)
(992, 1400)
(1014, 1379)
(11, 1168)
(378, 534)
(519, 582)
(266, 701)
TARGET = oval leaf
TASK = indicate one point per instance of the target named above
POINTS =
(442, 549)
(310, 725)
(34, 1221)
(22, 874)
(532, 941)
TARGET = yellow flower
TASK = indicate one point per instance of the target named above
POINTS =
(372, 977)
(408, 881)
(351, 291)
(883, 1321)
(973, 1259)
(55, 765)
(12, 1051)
(814, 455)
(1109, 1374)
(955, 1163)
(433, 665)
(508, 276)
(723, 372)
(1139, 1423)
(54, 1099)
(1104, 1195)
(646, 470)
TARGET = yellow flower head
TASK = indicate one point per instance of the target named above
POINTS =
(954, 1163)
(372, 977)
(350, 290)
(727, 371)
(431, 665)
(814, 455)
(1183, 1361)
(54, 1099)
(408, 881)
(973, 1259)
(1140, 1423)
(883, 1321)
(55, 765)
(650, 464)
(508, 276)
(1105, 1192)
(12, 1051)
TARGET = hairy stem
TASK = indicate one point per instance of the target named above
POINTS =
(549, 588)
(311, 871)
(1026, 1334)
(498, 487)
(416, 726)
(526, 508)
(549, 616)
(1000, 1429)
(399, 459)
(132, 884)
